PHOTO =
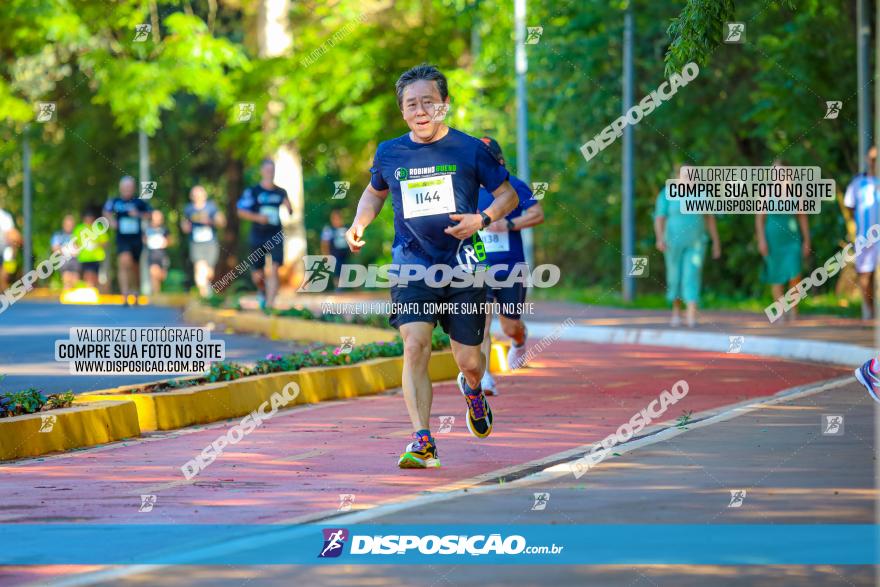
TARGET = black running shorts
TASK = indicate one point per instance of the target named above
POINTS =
(418, 301)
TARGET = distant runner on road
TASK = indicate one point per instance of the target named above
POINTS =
(200, 221)
(126, 214)
(261, 205)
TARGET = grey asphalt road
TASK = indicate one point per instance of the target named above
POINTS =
(28, 332)
(792, 472)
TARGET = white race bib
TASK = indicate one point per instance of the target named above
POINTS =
(427, 197)
(271, 212)
(495, 242)
(202, 234)
(156, 241)
(129, 225)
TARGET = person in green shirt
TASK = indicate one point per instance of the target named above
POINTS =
(682, 240)
(783, 241)
(92, 253)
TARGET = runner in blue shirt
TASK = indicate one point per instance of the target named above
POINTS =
(433, 174)
(504, 246)
(862, 199)
(261, 204)
(126, 214)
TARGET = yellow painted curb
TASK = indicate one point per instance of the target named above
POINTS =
(168, 410)
(286, 328)
(81, 425)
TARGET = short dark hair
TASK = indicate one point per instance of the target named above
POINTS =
(423, 71)
(267, 161)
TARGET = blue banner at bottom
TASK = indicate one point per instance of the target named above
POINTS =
(203, 544)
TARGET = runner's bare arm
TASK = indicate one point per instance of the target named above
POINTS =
(531, 217)
(505, 201)
(369, 206)
(252, 216)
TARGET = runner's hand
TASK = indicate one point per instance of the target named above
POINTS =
(762, 248)
(498, 226)
(467, 225)
(353, 238)
(661, 246)
(262, 219)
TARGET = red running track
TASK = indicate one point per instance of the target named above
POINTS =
(298, 463)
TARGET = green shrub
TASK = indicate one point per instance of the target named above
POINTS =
(59, 400)
(29, 401)
(226, 371)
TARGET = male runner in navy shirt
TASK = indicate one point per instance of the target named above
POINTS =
(261, 204)
(503, 244)
(433, 174)
(126, 213)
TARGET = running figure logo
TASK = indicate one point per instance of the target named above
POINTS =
(334, 540)
(47, 422)
(446, 423)
(141, 32)
(832, 109)
(541, 500)
(539, 190)
(147, 503)
(736, 344)
(345, 346)
(638, 267)
(340, 189)
(534, 35)
(45, 111)
(318, 270)
(246, 111)
(148, 188)
(737, 496)
(735, 32)
(832, 425)
(440, 112)
(346, 500)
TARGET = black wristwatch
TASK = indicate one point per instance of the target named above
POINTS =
(486, 220)
(510, 224)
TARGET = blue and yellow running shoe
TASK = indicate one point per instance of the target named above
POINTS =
(421, 453)
(479, 414)
(869, 379)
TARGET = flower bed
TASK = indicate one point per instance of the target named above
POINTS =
(31, 401)
(324, 356)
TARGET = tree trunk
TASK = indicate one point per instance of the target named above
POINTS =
(274, 38)
(234, 174)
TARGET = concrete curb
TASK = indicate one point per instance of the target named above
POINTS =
(284, 328)
(169, 410)
(817, 351)
(78, 426)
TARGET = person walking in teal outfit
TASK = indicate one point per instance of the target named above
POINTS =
(682, 240)
(783, 241)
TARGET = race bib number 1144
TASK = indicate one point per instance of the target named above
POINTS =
(426, 197)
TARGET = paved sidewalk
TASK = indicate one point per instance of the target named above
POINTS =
(806, 327)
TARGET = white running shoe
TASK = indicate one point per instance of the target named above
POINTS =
(488, 384)
(516, 356)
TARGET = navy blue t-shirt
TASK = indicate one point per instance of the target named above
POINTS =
(127, 227)
(429, 181)
(259, 200)
(201, 232)
(507, 247)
